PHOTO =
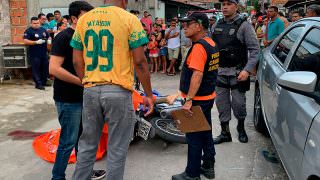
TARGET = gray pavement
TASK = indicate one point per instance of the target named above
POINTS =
(24, 108)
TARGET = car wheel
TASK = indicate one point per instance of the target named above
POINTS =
(258, 119)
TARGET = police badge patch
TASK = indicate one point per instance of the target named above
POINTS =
(232, 31)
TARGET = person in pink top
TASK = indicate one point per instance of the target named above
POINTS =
(147, 21)
(153, 52)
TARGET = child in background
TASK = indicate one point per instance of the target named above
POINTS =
(154, 28)
(163, 54)
(153, 52)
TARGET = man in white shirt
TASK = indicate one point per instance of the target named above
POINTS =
(172, 35)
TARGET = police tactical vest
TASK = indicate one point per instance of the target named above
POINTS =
(233, 53)
(208, 83)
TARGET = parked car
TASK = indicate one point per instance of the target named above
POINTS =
(287, 98)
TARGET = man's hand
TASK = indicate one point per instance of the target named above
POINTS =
(172, 28)
(187, 106)
(243, 76)
(40, 41)
(148, 102)
(141, 67)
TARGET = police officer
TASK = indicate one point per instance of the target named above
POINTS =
(236, 40)
(36, 37)
(197, 84)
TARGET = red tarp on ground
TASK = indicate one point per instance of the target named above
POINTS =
(46, 145)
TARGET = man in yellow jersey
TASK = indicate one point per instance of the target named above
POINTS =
(197, 84)
(108, 46)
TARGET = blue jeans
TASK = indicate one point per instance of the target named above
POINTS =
(199, 142)
(70, 120)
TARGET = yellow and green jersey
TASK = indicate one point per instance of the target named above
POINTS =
(106, 35)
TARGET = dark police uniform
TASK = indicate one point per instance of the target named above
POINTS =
(38, 55)
(235, 39)
(199, 142)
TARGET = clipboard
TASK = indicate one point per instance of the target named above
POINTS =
(187, 123)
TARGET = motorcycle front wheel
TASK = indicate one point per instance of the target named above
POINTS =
(167, 130)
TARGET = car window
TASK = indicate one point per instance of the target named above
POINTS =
(286, 43)
(307, 56)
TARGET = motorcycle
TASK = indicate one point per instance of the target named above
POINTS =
(160, 123)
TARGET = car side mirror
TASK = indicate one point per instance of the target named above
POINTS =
(300, 82)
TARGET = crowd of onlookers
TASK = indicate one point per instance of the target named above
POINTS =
(261, 21)
(168, 43)
(164, 42)
(54, 23)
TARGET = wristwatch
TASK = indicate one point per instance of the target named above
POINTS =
(188, 98)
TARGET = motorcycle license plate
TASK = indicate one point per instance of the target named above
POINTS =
(144, 128)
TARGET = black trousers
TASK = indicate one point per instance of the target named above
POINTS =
(40, 70)
(200, 144)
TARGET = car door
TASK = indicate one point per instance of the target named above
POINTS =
(295, 112)
(273, 65)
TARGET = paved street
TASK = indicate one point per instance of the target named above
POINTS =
(24, 108)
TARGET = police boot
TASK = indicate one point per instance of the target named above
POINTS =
(207, 169)
(225, 135)
(184, 176)
(242, 132)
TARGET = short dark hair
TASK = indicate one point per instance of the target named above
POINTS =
(56, 11)
(66, 17)
(315, 8)
(145, 12)
(297, 12)
(281, 13)
(159, 25)
(275, 8)
(173, 20)
(34, 19)
(40, 15)
(137, 12)
(49, 15)
(59, 24)
(76, 7)
(133, 11)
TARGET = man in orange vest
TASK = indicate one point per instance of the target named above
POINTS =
(197, 84)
